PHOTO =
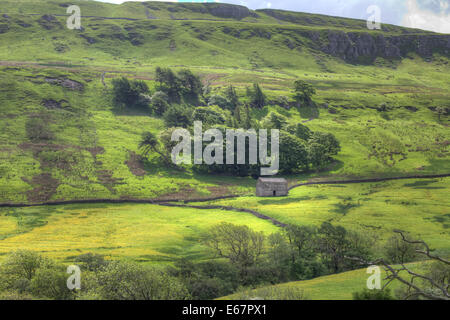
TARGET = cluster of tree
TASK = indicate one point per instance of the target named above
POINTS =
(433, 284)
(300, 150)
(247, 258)
(181, 99)
(27, 275)
(244, 259)
(172, 90)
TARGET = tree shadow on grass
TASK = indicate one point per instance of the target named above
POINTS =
(309, 112)
(284, 200)
(119, 110)
(423, 184)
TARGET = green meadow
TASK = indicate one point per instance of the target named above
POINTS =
(143, 233)
(419, 207)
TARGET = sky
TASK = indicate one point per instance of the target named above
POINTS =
(433, 15)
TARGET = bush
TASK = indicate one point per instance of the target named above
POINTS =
(275, 121)
(256, 96)
(367, 294)
(273, 293)
(303, 92)
(208, 116)
(91, 261)
(399, 251)
(293, 153)
(51, 282)
(129, 281)
(159, 103)
(220, 101)
(130, 93)
(37, 130)
(300, 131)
(178, 116)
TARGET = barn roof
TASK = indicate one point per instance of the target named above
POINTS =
(272, 180)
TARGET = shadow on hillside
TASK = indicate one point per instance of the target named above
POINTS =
(309, 112)
(130, 111)
(423, 184)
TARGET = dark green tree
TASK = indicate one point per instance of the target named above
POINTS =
(149, 142)
(169, 83)
(256, 96)
(159, 103)
(293, 154)
(178, 116)
(276, 121)
(130, 281)
(232, 97)
(130, 93)
(303, 92)
(242, 246)
(191, 85)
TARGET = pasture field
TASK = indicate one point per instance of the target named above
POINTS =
(141, 233)
(420, 207)
(95, 154)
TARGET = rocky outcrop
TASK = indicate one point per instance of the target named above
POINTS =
(49, 22)
(365, 47)
(223, 10)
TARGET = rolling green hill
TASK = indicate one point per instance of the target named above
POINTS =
(334, 287)
(378, 92)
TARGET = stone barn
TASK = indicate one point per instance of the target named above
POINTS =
(272, 187)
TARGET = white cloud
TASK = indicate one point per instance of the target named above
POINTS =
(419, 18)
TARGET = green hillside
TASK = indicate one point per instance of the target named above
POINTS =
(335, 287)
(383, 94)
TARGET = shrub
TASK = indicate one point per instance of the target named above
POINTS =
(256, 96)
(178, 116)
(159, 103)
(303, 92)
(367, 294)
(300, 131)
(132, 94)
(273, 293)
(37, 129)
(275, 121)
(220, 101)
(129, 281)
(208, 116)
(399, 251)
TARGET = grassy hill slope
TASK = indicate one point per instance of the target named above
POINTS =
(53, 76)
(333, 287)
(55, 83)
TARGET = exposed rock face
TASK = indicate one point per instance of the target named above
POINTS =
(357, 47)
(229, 11)
(66, 83)
(49, 22)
